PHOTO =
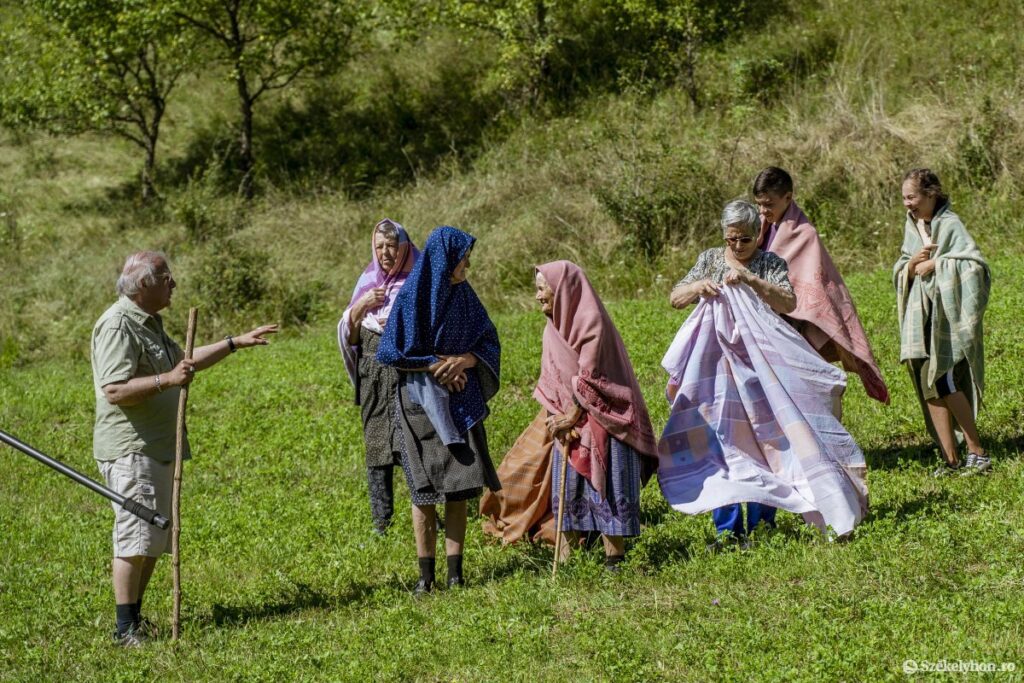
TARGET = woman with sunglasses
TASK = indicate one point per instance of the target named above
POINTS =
(739, 261)
(752, 419)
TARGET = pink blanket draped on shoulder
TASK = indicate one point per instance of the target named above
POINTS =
(584, 358)
(823, 302)
(752, 418)
(374, 276)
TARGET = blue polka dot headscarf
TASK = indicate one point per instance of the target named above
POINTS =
(432, 317)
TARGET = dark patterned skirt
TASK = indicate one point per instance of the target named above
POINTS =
(616, 515)
(377, 387)
(437, 473)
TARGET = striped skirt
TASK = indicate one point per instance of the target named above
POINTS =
(619, 513)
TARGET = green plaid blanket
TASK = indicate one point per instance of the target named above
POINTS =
(941, 314)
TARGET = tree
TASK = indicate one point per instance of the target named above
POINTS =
(94, 65)
(267, 45)
(524, 32)
(676, 32)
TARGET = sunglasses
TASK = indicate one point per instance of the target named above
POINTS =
(741, 240)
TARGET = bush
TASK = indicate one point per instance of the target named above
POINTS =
(764, 76)
(230, 278)
(398, 119)
(204, 211)
(658, 195)
(977, 151)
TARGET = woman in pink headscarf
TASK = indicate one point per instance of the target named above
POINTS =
(597, 414)
(359, 331)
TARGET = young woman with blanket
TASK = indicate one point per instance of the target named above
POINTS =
(942, 287)
(446, 349)
(392, 256)
(752, 402)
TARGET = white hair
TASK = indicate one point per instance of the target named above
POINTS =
(388, 228)
(139, 270)
(740, 214)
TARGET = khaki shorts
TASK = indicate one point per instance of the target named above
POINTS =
(149, 482)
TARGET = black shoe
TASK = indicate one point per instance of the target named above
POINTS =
(423, 587)
(456, 582)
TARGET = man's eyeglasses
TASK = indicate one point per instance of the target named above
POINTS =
(741, 240)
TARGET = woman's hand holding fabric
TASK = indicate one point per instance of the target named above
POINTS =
(684, 295)
(926, 267)
(450, 371)
(918, 259)
(706, 288)
(373, 298)
(737, 276)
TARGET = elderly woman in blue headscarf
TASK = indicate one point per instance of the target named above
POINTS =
(446, 348)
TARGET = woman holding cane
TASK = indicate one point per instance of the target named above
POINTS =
(597, 414)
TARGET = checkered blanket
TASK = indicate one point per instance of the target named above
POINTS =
(752, 418)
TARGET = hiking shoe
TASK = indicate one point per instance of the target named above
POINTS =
(422, 588)
(146, 629)
(945, 470)
(977, 464)
(456, 582)
(129, 639)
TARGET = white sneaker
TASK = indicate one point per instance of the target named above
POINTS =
(977, 464)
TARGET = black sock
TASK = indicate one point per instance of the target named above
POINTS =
(613, 560)
(455, 567)
(126, 620)
(427, 570)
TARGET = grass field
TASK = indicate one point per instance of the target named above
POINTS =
(283, 581)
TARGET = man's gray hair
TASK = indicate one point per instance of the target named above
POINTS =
(741, 214)
(139, 269)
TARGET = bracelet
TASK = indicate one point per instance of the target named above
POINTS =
(231, 344)
(159, 389)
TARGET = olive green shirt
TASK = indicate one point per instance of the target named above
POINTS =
(127, 342)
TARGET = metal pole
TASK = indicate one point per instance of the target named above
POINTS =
(132, 506)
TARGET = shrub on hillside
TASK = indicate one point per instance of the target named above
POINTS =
(658, 195)
(978, 153)
(764, 74)
(201, 208)
(389, 120)
(229, 277)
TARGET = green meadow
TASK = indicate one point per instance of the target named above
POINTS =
(601, 131)
(282, 579)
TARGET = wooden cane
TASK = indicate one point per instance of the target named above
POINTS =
(561, 510)
(179, 454)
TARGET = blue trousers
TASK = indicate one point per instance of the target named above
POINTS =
(730, 517)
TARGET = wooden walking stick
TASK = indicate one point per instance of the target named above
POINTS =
(561, 509)
(179, 454)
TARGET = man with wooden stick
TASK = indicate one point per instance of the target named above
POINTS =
(137, 374)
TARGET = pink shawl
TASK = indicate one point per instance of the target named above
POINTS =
(584, 358)
(823, 303)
